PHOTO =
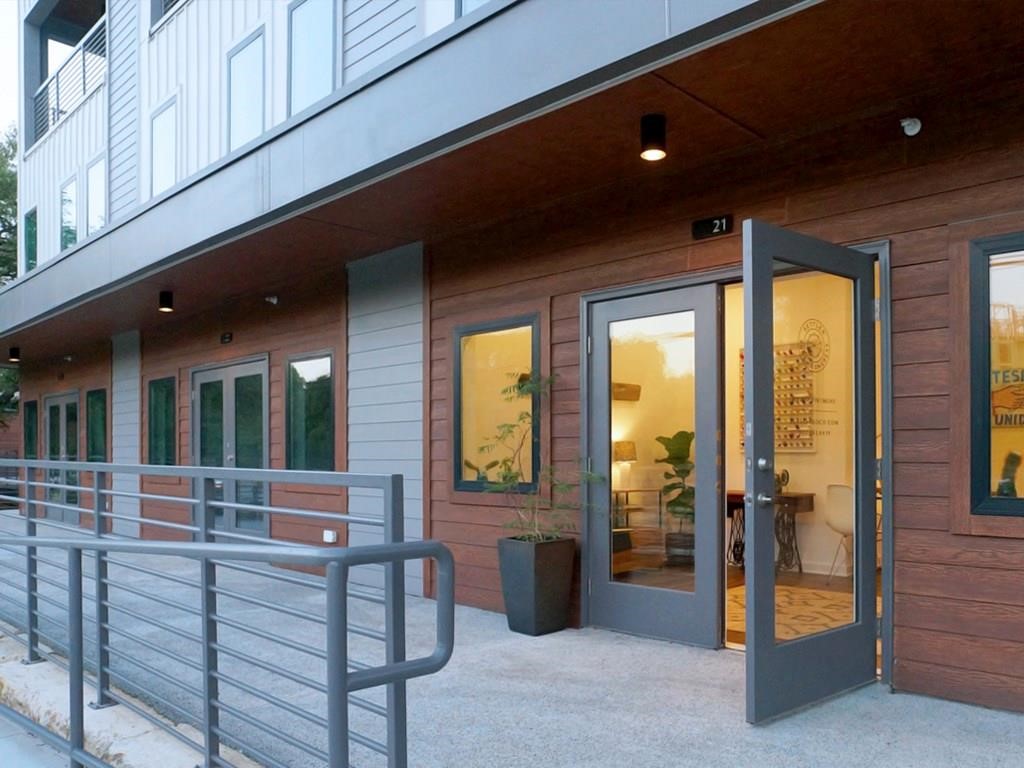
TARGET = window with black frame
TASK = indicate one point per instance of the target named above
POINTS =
(162, 422)
(311, 414)
(497, 403)
(997, 380)
(96, 425)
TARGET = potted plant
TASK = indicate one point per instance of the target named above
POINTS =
(679, 497)
(536, 561)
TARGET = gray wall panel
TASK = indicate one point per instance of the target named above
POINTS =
(125, 423)
(385, 392)
(123, 74)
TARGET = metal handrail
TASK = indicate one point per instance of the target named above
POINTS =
(122, 618)
(82, 74)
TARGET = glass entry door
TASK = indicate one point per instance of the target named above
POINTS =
(654, 533)
(809, 435)
(230, 420)
(62, 445)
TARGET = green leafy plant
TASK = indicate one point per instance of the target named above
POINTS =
(679, 496)
(544, 506)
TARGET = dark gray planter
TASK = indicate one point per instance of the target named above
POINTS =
(536, 580)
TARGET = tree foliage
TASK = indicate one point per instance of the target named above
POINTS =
(9, 205)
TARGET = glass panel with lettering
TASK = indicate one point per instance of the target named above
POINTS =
(1006, 394)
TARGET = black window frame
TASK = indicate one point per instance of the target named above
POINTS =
(30, 407)
(982, 500)
(91, 396)
(459, 333)
(151, 419)
(288, 409)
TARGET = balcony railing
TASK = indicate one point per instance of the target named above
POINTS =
(289, 668)
(67, 88)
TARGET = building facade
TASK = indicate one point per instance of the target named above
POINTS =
(346, 234)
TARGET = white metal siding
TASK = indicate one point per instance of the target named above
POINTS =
(125, 421)
(376, 30)
(385, 385)
(63, 152)
(123, 81)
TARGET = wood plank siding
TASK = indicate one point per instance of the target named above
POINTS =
(304, 321)
(959, 614)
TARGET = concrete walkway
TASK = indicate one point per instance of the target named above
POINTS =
(19, 749)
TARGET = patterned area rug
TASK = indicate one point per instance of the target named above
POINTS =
(798, 611)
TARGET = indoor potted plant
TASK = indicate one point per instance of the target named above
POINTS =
(679, 497)
(536, 561)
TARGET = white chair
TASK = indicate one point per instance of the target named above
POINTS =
(839, 517)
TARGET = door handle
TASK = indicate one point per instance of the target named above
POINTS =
(764, 500)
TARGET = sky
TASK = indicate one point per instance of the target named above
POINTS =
(8, 63)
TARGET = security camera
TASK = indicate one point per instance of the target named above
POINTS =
(911, 126)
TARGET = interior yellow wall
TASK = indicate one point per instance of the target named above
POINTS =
(798, 299)
(490, 363)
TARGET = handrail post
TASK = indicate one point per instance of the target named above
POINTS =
(208, 581)
(394, 621)
(102, 612)
(31, 582)
(76, 663)
(337, 665)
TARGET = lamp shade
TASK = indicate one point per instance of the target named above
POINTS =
(14, 355)
(166, 301)
(624, 450)
(653, 145)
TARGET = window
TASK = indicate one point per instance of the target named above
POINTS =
(496, 407)
(96, 196)
(462, 7)
(997, 378)
(96, 425)
(69, 214)
(164, 148)
(311, 53)
(162, 422)
(30, 430)
(160, 8)
(245, 92)
(31, 240)
(311, 414)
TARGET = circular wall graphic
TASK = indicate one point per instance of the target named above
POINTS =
(815, 335)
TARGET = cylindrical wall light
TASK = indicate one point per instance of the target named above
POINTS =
(166, 301)
(652, 137)
(14, 355)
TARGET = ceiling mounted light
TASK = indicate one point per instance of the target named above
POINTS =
(652, 137)
(14, 355)
(166, 301)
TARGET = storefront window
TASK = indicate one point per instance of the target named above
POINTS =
(496, 401)
(998, 380)
(162, 422)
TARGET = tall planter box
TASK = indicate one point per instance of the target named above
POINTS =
(536, 580)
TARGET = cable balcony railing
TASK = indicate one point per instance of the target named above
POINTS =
(67, 88)
(283, 653)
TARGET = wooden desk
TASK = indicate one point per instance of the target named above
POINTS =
(788, 505)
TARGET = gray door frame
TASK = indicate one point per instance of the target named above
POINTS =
(689, 617)
(61, 496)
(785, 676)
(227, 373)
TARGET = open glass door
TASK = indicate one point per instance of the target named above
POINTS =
(654, 528)
(809, 405)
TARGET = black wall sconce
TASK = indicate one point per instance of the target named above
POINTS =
(166, 301)
(653, 129)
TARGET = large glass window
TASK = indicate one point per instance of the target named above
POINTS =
(96, 425)
(497, 399)
(69, 214)
(162, 422)
(245, 92)
(311, 52)
(30, 429)
(164, 149)
(31, 240)
(96, 196)
(997, 348)
(311, 414)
